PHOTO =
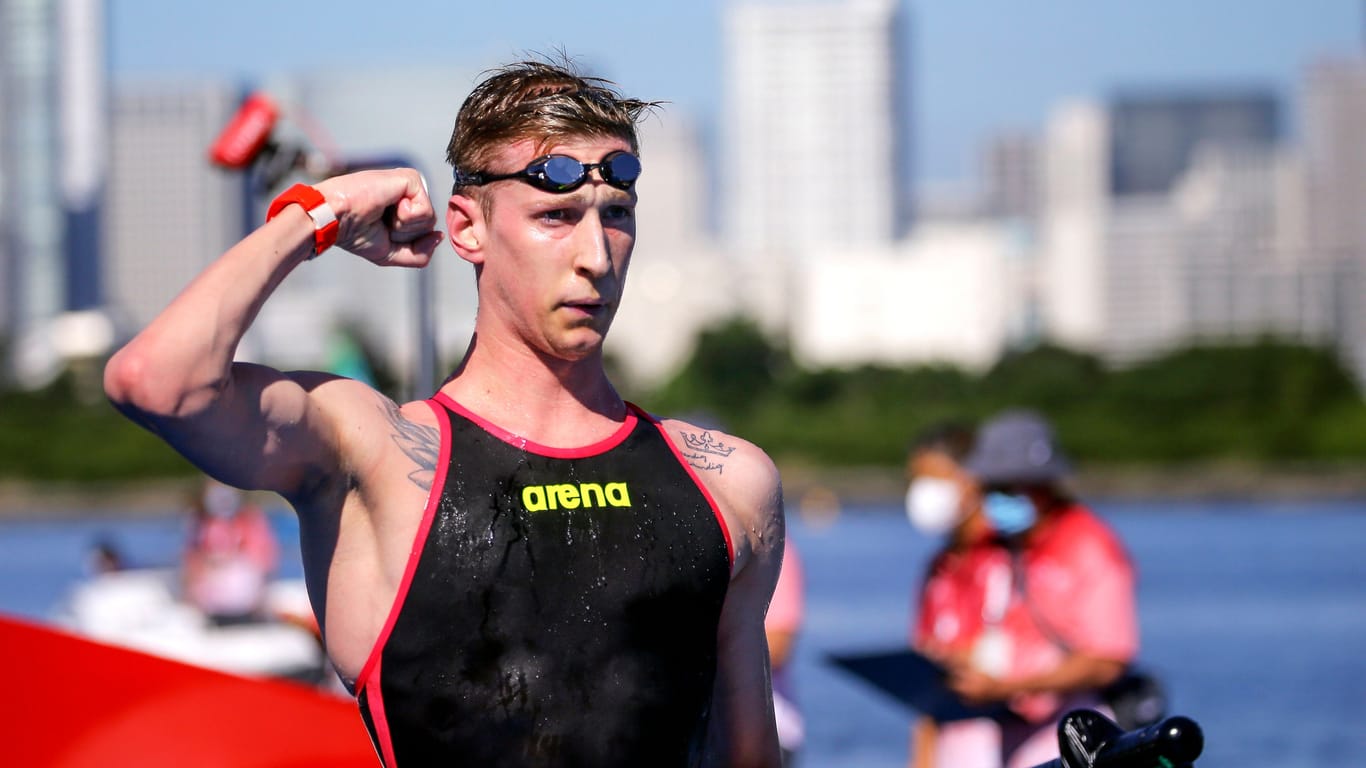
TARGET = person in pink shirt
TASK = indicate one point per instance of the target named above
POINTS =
(943, 500)
(1040, 615)
(782, 624)
(230, 555)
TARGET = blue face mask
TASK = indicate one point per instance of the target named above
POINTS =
(1008, 513)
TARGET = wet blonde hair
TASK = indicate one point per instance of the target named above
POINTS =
(548, 102)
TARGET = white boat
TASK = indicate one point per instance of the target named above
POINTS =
(139, 609)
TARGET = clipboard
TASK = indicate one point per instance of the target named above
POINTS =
(914, 681)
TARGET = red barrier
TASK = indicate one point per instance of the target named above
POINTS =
(74, 703)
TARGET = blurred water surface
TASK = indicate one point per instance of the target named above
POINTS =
(1254, 612)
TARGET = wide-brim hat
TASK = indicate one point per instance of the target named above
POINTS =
(1017, 447)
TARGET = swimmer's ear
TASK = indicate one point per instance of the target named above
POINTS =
(465, 224)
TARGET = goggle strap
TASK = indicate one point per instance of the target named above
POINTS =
(538, 169)
(463, 179)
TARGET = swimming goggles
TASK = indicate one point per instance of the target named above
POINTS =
(562, 173)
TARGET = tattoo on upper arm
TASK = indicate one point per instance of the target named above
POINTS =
(420, 443)
(704, 451)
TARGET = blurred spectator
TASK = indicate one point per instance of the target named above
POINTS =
(1038, 613)
(782, 625)
(942, 499)
(230, 555)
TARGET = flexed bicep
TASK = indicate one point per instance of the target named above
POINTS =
(249, 425)
(263, 430)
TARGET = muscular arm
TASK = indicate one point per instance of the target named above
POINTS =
(249, 425)
(746, 483)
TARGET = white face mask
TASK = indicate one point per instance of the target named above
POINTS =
(933, 504)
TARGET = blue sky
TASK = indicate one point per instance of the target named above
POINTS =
(978, 65)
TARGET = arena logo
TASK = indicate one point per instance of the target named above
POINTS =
(537, 498)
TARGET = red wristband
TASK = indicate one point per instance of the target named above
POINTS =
(324, 219)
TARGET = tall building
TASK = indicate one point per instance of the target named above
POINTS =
(1074, 216)
(814, 130)
(1207, 239)
(1335, 156)
(83, 148)
(1010, 176)
(1335, 124)
(31, 215)
(53, 125)
(1213, 260)
(1154, 136)
(169, 212)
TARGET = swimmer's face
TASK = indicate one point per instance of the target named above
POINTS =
(551, 266)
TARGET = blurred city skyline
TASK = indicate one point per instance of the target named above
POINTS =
(1115, 181)
(976, 68)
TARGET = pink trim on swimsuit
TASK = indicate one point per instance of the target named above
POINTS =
(600, 447)
(369, 676)
(381, 723)
(701, 486)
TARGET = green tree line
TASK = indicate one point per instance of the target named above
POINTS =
(1265, 401)
(1268, 401)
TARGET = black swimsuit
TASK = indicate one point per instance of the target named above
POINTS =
(560, 607)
